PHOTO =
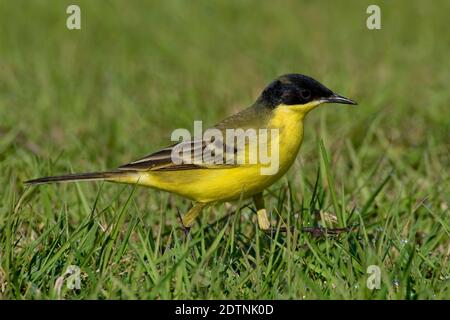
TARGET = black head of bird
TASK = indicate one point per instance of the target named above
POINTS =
(300, 91)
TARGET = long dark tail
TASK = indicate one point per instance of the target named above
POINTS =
(93, 176)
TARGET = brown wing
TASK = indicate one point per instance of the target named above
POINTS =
(162, 159)
(169, 158)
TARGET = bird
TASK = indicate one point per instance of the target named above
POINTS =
(281, 106)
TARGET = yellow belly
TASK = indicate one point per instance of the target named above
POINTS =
(232, 183)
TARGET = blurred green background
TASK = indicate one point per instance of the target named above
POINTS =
(95, 98)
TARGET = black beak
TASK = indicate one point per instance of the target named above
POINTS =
(335, 98)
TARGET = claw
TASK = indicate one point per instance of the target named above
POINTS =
(320, 231)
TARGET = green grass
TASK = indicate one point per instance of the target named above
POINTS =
(99, 97)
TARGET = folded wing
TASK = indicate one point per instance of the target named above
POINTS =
(187, 155)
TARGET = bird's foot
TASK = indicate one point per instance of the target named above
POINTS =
(322, 232)
(314, 231)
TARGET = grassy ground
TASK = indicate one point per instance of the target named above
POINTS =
(113, 91)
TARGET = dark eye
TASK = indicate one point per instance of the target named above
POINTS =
(305, 94)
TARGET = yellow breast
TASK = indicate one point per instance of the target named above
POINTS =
(290, 125)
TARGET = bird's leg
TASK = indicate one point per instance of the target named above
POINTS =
(185, 229)
(188, 219)
(263, 220)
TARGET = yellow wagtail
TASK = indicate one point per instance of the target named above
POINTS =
(282, 106)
